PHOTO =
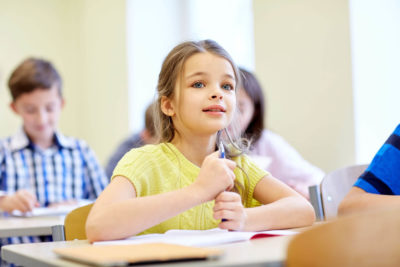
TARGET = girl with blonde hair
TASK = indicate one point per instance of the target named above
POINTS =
(183, 182)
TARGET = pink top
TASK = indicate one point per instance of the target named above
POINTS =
(285, 163)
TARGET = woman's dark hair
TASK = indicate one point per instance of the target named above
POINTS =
(253, 89)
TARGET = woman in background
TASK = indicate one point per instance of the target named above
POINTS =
(269, 149)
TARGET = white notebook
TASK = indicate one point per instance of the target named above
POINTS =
(200, 238)
(51, 211)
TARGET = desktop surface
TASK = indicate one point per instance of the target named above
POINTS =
(33, 226)
(270, 251)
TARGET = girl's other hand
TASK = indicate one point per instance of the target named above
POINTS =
(216, 175)
(228, 205)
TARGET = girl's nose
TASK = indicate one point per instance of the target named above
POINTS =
(216, 96)
(216, 93)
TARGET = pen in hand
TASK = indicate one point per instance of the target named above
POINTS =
(222, 156)
(221, 150)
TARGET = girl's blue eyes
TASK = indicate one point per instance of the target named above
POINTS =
(227, 87)
(198, 85)
(224, 86)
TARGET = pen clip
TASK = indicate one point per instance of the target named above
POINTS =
(221, 150)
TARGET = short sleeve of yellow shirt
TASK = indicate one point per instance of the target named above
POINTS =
(156, 169)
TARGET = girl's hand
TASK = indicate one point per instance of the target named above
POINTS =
(22, 200)
(228, 205)
(216, 175)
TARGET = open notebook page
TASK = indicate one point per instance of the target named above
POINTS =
(201, 238)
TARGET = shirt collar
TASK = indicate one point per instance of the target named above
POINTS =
(63, 141)
(21, 140)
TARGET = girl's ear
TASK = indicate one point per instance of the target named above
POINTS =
(166, 106)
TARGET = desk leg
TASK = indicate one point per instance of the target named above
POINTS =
(316, 201)
(57, 232)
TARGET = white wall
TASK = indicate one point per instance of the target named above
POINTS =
(375, 44)
(303, 61)
(153, 28)
(42, 29)
(104, 103)
(229, 22)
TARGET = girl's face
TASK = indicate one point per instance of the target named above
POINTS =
(204, 96)
(246, 109)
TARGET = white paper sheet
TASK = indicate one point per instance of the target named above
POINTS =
(201, 238)
(51, 211)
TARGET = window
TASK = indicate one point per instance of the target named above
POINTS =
(156, 26)
(375, 46)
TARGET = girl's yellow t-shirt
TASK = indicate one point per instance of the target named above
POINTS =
(156, 169)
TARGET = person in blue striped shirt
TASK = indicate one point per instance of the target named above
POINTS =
(39, 166)
(379, 185)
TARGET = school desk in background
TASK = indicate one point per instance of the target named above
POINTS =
(39, 222)
(33, 226)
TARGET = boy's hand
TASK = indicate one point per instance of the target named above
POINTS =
(22, 200)
(216, 175)
(228, 205)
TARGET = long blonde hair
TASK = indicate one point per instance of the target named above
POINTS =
(171, 70)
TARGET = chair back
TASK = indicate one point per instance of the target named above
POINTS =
(335, 186)
(365, 239)
(74, 223)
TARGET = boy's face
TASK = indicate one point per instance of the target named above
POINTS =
(40, 111)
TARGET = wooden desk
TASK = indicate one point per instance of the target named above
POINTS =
(32, 226)
(269, 251)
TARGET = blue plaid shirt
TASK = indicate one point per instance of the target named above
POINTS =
(67, 170)
(383, 174)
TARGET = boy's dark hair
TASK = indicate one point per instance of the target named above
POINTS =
(253, 89)
(31, 74)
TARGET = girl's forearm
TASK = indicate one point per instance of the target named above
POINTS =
(285, 213)
(139, 214)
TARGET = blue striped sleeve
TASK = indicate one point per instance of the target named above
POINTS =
(383, 174)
